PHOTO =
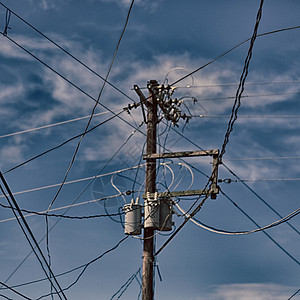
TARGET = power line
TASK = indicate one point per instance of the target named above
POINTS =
(240, 90)
(13, 290)
(88, 124)
(253, 116)
(260, 198)
(34, 213)
(94, 108)
(235, 84)
(79, 195)
(46, 212)
(294, 294)
(65, 51)
(263, 158)
(230, 50)
(76, 180)
(226, 232)
(248, 96)
(125, 286)
(259, 180)
(84, 266)
(62, 144)
(256, 224)
(67, 80)
(52, 125)
(31, 240)
(187, 218)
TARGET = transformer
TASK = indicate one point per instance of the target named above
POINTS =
(133, 218)
(165, 214)
(158, 213)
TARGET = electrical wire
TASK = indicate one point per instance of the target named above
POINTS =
(70, 82)
(240, 90)
(253, 116)
(126, 285)
(260, 198)
(30, 238)
(275, 242)
(13, 290)
(263, 158)
(79, 195)
(76, 180)
(195, 211)
(115, 187)
(65, 51)
(261, 180)
(94, 108)
(86, 266)
(46, 213)
(235, 84)
(61, 144)
(248, 96)
(294, 294)
(52, 125)
(34, 213)
(226, 232)
(230, 50)
(257, 225)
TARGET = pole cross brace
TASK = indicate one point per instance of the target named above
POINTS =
(181, 154)
(214, 188)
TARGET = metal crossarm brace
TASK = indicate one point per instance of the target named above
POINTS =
(178, 194)
(214, 188)
(182, 154)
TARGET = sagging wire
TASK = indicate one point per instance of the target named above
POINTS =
(115, 187)
(85, 266)
(226, 232)
(191, 172)
(79, 195)
(31, 238)
(44, 213)
(165, 165)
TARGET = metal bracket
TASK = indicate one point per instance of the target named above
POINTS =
(214, 188)
(142, 100)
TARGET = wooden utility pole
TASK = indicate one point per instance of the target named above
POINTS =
(150, 187)
(158, 206)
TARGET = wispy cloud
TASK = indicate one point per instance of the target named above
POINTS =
(66, 101)
(149, 4)
(251, 291)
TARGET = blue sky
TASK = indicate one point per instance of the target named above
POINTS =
(164, 40)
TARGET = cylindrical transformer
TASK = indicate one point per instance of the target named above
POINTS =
(165, 214)
(133, 219)
(151, 214)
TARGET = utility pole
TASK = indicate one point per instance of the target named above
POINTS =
(150, 187)
(158, 207)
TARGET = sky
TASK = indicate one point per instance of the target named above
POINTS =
(47, 97)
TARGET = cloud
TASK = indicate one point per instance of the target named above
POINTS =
(45, 4)
(251, 291)
(12, 154)
(147, 4)
(65, 101)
